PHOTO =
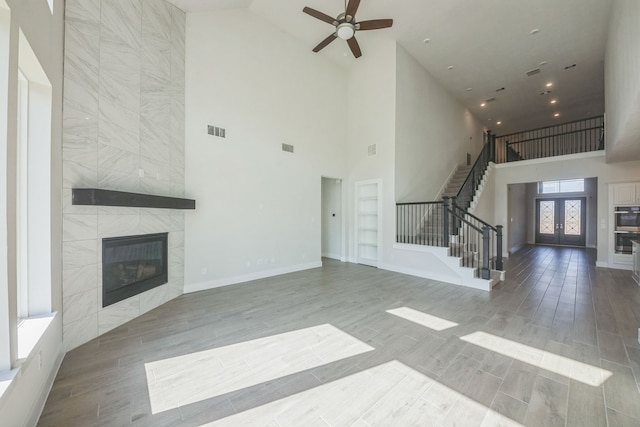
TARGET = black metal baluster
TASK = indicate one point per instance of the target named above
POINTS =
(499, 265)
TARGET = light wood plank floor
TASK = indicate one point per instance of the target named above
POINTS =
(554, 345)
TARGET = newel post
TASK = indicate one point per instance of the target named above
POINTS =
(499, 265)
(491, 140)
(445, 221)
(486, 272)
(454, 219)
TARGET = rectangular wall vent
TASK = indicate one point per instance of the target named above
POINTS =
(489, 100)
(533, 72)
(371, 150)
(216, 131)
(288, 148)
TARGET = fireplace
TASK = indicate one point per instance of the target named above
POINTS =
(132, 265)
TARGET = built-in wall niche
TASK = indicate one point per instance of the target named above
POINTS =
(368, 221)
(132, 265)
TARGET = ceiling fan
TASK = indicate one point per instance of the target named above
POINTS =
(346, 26)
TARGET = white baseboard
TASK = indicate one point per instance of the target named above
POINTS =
(226, 281)
(332, 256)
(473, 283)
(38, 405)
(417, 273)
(602, 264)
(516, 248)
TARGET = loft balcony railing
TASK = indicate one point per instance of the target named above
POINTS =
(579, 136)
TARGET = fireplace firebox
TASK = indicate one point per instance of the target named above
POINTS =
(132, 265)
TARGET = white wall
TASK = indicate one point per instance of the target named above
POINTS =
(258, 208)
(371, 102)
(622, 82)
(532, 192)
(518, 216)
(22, 403)
(332, 218)
(587, 165)
(434, 132)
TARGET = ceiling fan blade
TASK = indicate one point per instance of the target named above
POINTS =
(374, 24)
(319, 15)
(352, 8)
(355, 47)
(325, 42)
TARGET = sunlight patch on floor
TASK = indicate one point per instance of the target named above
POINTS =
(424, 319)
(194, 377)
(385, 395)
(570, 368)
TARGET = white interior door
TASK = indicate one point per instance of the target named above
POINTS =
(368, 222)
(332, 218)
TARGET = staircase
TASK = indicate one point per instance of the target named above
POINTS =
(456, 181)
(462, 241)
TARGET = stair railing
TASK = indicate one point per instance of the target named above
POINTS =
(472, 182)
(492, 235)
(445, 224)
(421, 223)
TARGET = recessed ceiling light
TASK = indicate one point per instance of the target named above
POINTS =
(553, 101)
(568, 67)
(549, 84)
(450, 67)
(500, 89)
(499, 122)
(469, 89)
(556, 115)
(483, 104)
(543, 63)
(535, 31)
(426, 41)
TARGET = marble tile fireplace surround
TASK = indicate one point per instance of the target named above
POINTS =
(123, 130)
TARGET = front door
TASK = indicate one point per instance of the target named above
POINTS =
(561, 221)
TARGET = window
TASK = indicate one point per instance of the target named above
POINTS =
(33, 199)
(561, 186)
(5, 324)
(22, 290)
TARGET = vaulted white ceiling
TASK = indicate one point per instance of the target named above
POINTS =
(475, 48)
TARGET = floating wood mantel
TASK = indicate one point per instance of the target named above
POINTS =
(99, 197)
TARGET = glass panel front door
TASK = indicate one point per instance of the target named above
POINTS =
(561, 221)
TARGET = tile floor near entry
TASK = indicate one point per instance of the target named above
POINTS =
(554, 345)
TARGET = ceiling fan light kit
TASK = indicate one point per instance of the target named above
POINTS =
(345, 31)
(346, 26)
